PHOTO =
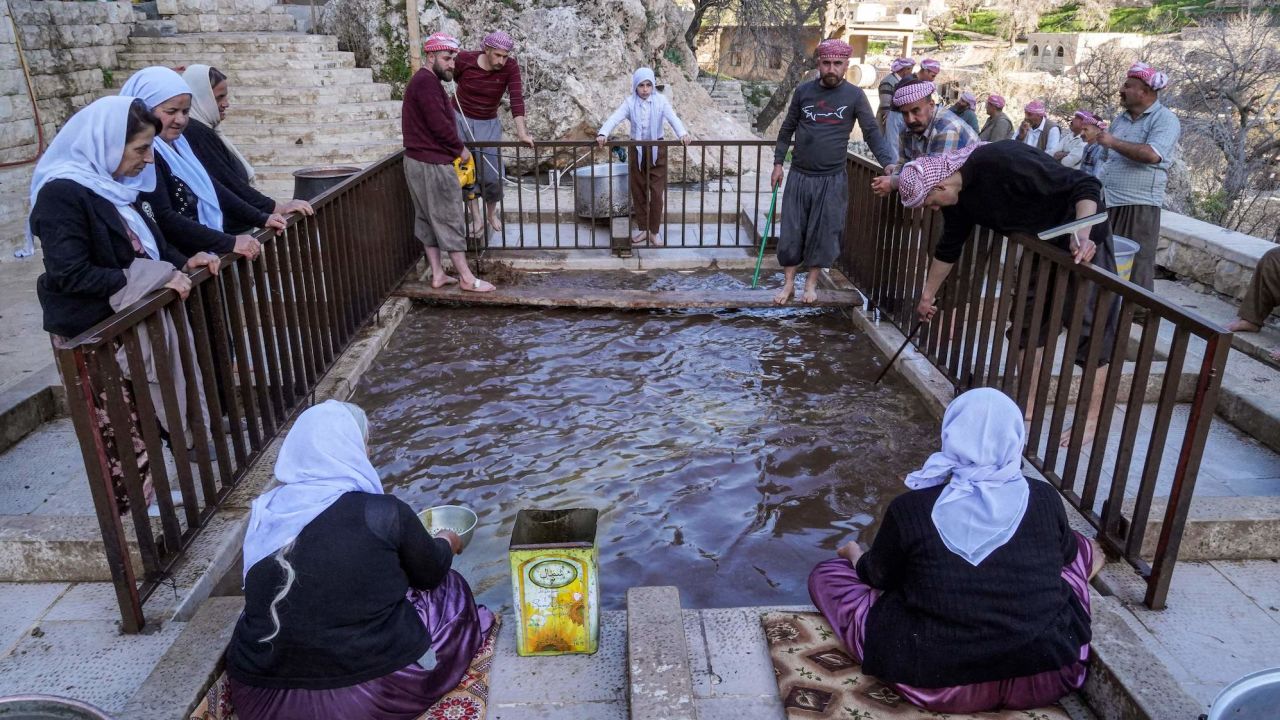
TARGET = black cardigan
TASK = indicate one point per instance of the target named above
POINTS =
(174, 208)
(226, 170)
(346, 619)
(942, 622)
(86, 249)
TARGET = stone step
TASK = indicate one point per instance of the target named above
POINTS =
(233, 62)
(326, 154)
(249, 84)
(336, 94)
(250, 22)
(312, 133)
(224, 7)
(342, 113)
(154, 28)
(235, 42)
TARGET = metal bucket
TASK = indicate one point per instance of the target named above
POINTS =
(555, 583)
(1255, 696)
(310, 182)
(48, 707)
(601, 191)
(1125, 251)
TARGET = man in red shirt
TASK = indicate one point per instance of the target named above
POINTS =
(431, 144)
(484, 76)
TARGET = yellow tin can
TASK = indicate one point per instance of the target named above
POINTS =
(554, 582)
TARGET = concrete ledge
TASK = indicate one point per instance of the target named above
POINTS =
(1221, 528)
(187, 670)
(54, 548)
(28, 404)
(1219, 258)
(660, 683)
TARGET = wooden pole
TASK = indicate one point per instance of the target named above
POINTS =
(412, 20)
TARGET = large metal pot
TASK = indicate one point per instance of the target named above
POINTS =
(48, 707)
(310, 182)
(601, 191)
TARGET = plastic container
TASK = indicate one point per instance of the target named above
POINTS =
(555, 584)
(461, 520)
(1255, 696)
(1125, 250)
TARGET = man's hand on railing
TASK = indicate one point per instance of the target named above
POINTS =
(295, 206)
(180, 284)
(247, 246)
(525, 138)
(203, 259)
(776, 178)
(277, 222)
(883, 185)
(465, 157)
(926, 308)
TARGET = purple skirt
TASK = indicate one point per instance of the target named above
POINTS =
(845, 600)
(457, 628)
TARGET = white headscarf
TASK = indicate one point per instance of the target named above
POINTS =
(204, 107)
(322, 458)
(156, 85)
(88, 150)
(982, 506)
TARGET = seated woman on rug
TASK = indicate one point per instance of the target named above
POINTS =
(351, 610)
(220, 157)
(975, 594)
(101, 252)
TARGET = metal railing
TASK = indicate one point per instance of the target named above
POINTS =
(252, 344)
(886, 252)
(713, 193)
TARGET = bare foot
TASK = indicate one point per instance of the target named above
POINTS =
(1242, 325)
(1090, 429)
(810, 296)
(655, 239)
(640, 238)
(784, 295)
(443, 280)
(477, 285)
(1099, 559)
(495, 223)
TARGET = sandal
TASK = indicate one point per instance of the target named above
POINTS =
(477, 285)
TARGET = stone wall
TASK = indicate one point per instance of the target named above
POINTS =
(1221, 260)
(70, 48)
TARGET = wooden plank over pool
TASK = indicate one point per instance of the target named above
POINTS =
(593, 298)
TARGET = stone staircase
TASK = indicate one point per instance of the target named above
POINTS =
(728, 96)
(296, 100)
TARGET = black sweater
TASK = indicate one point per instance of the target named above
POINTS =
(346, 619)
(228, 172)
(174, 208)
(86, 249)
(1011, 187)
(943, 622)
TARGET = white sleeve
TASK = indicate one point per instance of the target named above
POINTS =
(618, 116)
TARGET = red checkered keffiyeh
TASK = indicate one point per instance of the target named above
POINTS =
(1149, 75)
(834, 49)
(931, 64)
(997, 100)
(1089, 118)
(499, 40)
(910, 92)
(920, 176)
(1035, 107)
(440, 41)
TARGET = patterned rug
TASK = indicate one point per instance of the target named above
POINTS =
(818, 679)
(468, 701)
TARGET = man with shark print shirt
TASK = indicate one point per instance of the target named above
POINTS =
(821, 118)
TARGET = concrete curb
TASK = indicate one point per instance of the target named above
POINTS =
(30, 403)
(660, 683)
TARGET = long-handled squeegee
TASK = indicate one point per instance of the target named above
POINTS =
(768, 227)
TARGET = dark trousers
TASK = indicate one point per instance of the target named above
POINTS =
(1264, 289)
(1141, 224)
(648, 181)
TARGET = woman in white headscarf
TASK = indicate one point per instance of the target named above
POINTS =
(190, 207)
(84, 211)
(220, 157)
(974, 595)
(351, 608)
(648, 112)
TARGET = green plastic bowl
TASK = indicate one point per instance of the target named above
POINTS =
(462, 520)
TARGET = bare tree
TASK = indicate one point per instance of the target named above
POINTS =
(1094, 14)
(704, 11)
(965, 8)
(781, 31)
(1098, 76)
(939, 27)
(1228, 88)
(1020, 17)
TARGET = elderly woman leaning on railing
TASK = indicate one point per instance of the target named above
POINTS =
(100, 252)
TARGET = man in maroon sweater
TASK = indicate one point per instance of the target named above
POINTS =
(430, 145)
(484, 76)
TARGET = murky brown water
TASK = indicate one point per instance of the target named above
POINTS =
(727, 452)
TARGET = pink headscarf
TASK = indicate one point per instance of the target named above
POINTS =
(1089, 118)
(1149, 75)
(834, 49)
(997, 100)
(931, 64)
(440, 41)
(1035, 107)
(969, 99)
(921, 175)
(901, 64)
(908, 93)
(499, 40)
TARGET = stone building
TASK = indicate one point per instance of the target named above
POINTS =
(1058, 52)
(758, 55)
